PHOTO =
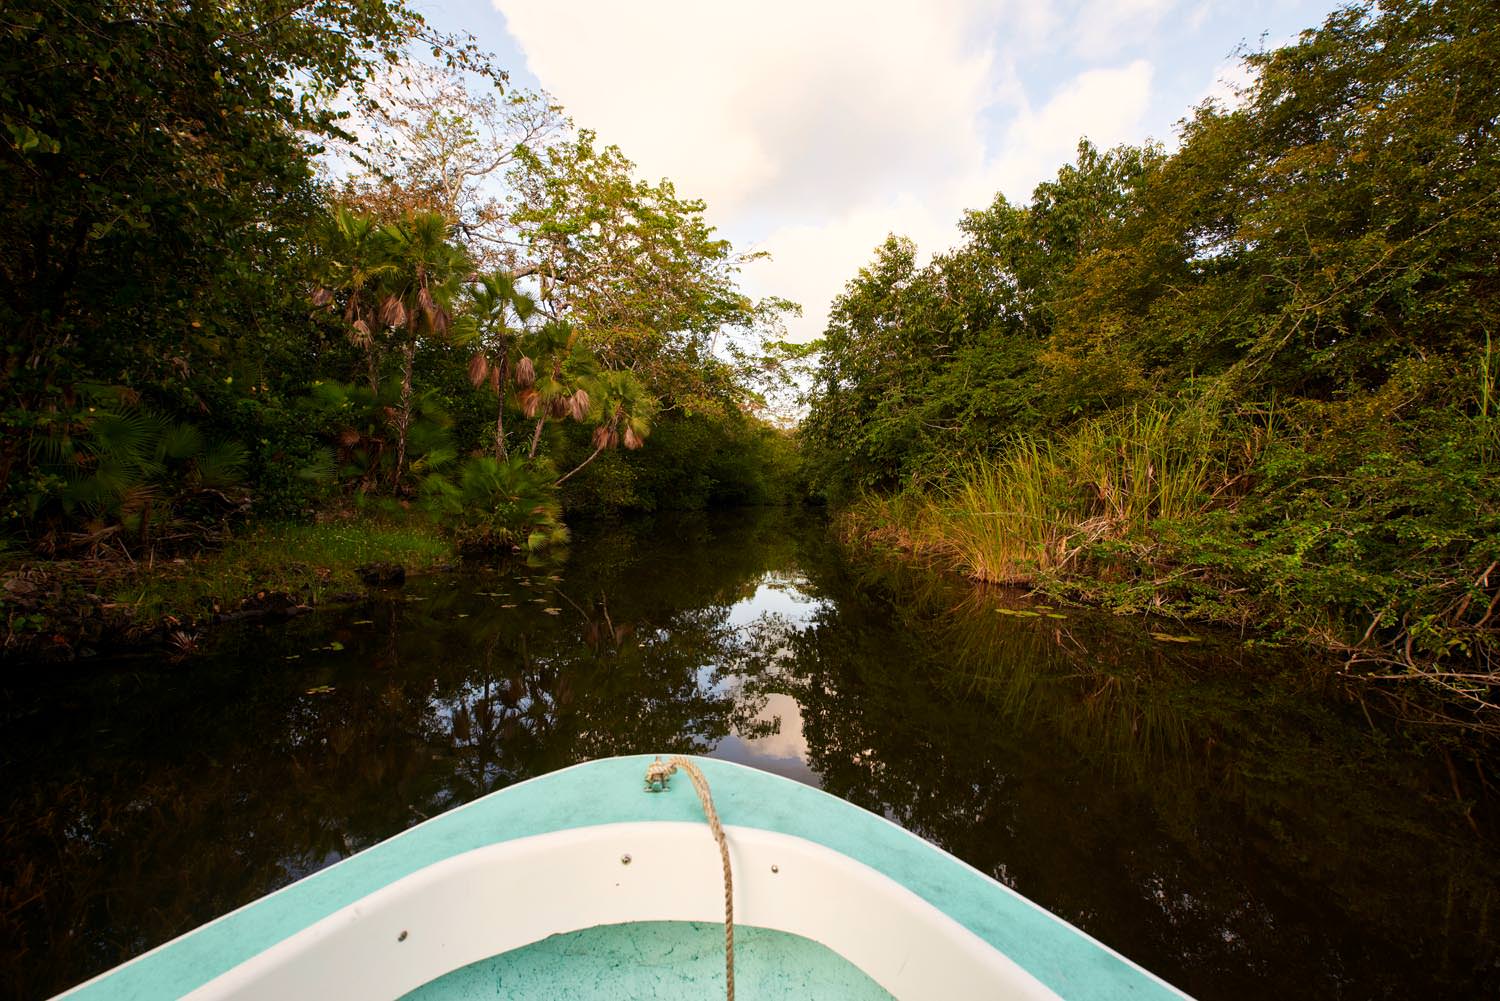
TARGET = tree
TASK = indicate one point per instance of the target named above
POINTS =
(625, 411)
(354, 267)
(425, 273)
(634, 266)
(1300, 298)
(398, 282)
(1314, 238)
(551, 377)
(155, 164)
(437, 141)
(491, 300)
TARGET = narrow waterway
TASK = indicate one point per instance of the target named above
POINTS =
(1206, 810)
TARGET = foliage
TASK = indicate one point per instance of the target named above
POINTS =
(632, 264)
(156, 164)
(924, 362)
(492, 300)
(318, 268)
(437, 141)
(362, 431)
(1043, 505)
(545, 372)
(1310, 273)
(397, 284)
(498, 503)
(123, 476)
(637, 267)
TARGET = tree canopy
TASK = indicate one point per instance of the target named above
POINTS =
(337, 240)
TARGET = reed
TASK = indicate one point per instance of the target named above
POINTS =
(1040, 504)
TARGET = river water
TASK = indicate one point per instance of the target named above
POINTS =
(1205, 808)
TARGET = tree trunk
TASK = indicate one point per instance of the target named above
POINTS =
(372, 354)
(536, 437)
(576, 468)
(403, 418)
(500, 451)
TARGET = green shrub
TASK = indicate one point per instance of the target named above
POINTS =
(498, 504)
(119, 473)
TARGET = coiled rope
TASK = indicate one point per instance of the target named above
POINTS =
(659, 772)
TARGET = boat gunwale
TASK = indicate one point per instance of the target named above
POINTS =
(1118, 977)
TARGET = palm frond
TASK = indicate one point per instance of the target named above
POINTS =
(179, 440)
(322, 468)
(222, 464)
(479, 369)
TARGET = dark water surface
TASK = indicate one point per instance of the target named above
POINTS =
(1217, 820)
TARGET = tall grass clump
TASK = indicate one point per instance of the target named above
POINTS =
(1040, 504)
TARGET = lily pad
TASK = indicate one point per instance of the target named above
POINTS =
(1169, 638)
(334, 646)
(1020, 613)
(552, 611)
(320, 690)
(510, 605)
(363, 622)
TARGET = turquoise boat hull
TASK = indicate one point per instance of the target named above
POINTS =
(580, 884)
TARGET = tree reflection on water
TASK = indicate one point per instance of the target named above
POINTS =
(1219, 819)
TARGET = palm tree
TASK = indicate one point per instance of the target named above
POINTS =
(427, 271)
(497, 352)
(551, 375)
(355, 265)
(625, 410)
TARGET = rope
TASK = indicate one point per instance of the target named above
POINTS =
(657, 772)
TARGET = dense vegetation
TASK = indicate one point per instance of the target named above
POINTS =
(1250, 380)
(265, 262)
(268, 265)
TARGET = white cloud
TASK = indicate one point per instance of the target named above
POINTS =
(812, 260)
(1103, 28)
(817, 102)
(814, 127)
(1106, 105)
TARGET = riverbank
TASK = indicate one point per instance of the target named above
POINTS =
(1143, 515)
(62, 610)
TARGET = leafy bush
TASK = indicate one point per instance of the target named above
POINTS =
(498, 504)
(121, 472)
(359, 426)
(693, 463)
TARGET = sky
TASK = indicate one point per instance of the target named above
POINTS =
(814, 128)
